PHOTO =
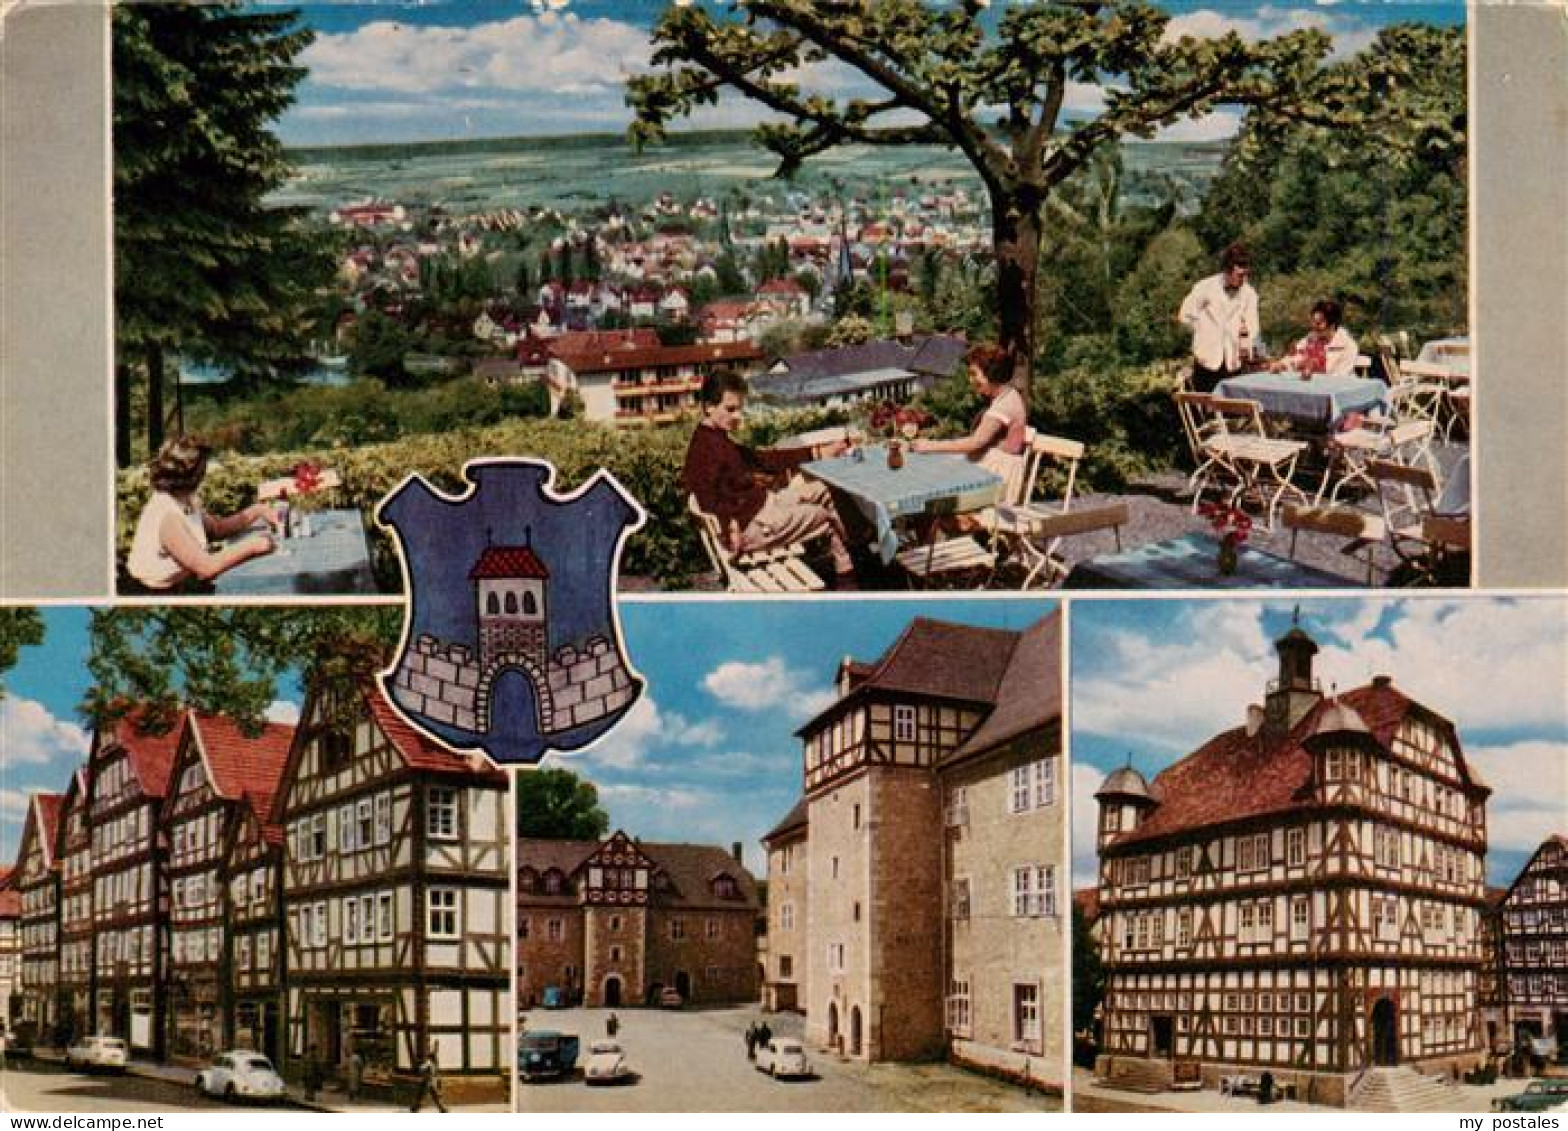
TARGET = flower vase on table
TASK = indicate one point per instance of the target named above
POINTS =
(1232, 526)
(895, 455)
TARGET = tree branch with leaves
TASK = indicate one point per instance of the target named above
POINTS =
(994, 88)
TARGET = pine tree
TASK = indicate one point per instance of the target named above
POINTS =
(205, 267)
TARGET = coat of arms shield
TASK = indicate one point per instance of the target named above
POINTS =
(511, 643)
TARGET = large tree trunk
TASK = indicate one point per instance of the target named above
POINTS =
(154, 400)
(1015, 230)
(122, 415)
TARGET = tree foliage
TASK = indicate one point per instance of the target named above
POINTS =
(227, 660)
(1088, 973)
(556, 804)
(20, 626)
(1376, 217)
(995, 89)
(205, 266)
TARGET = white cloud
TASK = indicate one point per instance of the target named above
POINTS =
(765, 686)
(658, 797)
(1217, 126)
(13, 804)
(1485, 665)
(1086, 814)
(282, 711)
(544, 53)
(647, 728)
(1529, 799)
(1266, 23)
(31, 735)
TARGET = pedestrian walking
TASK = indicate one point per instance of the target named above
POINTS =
(751, 1041)
(764, 1034)
(612, 1025)
(429, 1082)
(356, 1075)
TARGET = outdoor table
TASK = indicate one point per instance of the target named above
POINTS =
(1451, 353)
(1189, 562)
(812, 439)
(335, 559)
(1320, 403)
(929, 483)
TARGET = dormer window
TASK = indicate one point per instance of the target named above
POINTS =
(724, 887)
(554, 882)
(903, 723)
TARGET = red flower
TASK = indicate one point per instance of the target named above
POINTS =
(307, 477)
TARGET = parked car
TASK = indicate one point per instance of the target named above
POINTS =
(241, 1075)
(784, 1057)
(98, 1052)
(545, 1054)
(607, 1064)
(1539, 1095)
(670, 998)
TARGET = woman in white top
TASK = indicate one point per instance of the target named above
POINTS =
(1000, 439)
(169, 549)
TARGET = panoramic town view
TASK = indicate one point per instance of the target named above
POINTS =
(1217, 326)
(1352, 899)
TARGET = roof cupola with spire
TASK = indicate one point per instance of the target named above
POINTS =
(1295, 691)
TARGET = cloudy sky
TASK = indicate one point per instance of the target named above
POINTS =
(708, 754)
(418, 70)
(1154, 680)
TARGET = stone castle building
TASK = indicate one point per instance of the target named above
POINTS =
(616, 922)
(914, 906)
(1302, 894)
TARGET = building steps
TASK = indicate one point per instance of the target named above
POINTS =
(1404, 1090)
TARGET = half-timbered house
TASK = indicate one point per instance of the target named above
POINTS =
(1300, 895)
(395, 882)
(617, 921)
(37, 882)
(1534, 918)
(931, 849)
(128, 767)
(10, 951)
(76, 909)
(217, 767)
(252, 880)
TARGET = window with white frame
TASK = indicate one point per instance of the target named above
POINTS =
(1026, 1014)
(441, 920)
(264, 951)
(364, 824)
(1044, 783)
(903, 723)
(1295, 847)
(555, 930)
(1021, 793)
(1252, 853)
(836, 957)
(346, 828)
(959, 1014)
(318, 837)
(367, 918)
(383, 817)
(1300, 917)
(384, 916)
(677, 928)
(957, 806)
(351, 921)
(1184, 928)
(1023, 891)
(787, 917)
(441, 813)
(318, 928)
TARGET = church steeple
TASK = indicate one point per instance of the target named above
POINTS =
(1295, 691)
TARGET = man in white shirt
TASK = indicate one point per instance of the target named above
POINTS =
(1222, 313)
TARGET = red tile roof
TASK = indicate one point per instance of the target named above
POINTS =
(599, 361)
(508, 561)
(151, 754)
(424, 754)
(47, 807)
(690, 868)
(242, 767)
(1235, 776)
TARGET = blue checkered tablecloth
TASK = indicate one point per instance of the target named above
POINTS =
(933, 483)
(1191, 562)
(335, 559)
(1323, 401)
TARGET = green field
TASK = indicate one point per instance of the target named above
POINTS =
(581, 172)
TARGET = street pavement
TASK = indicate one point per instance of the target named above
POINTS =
(1092, 1095)
(695, 1060)
(46, 1085)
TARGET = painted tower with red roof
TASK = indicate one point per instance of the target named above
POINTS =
(1300, 896)
(511, 595)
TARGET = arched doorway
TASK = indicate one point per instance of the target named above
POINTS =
(612, 991)
(1385, 1032)
(683, 984)
(832, 1024)
(854, 1031)
(514, 705)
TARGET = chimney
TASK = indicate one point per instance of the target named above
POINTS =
(1382, 681)
(735, 851)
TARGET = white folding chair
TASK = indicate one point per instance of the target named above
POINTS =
(782, 569)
